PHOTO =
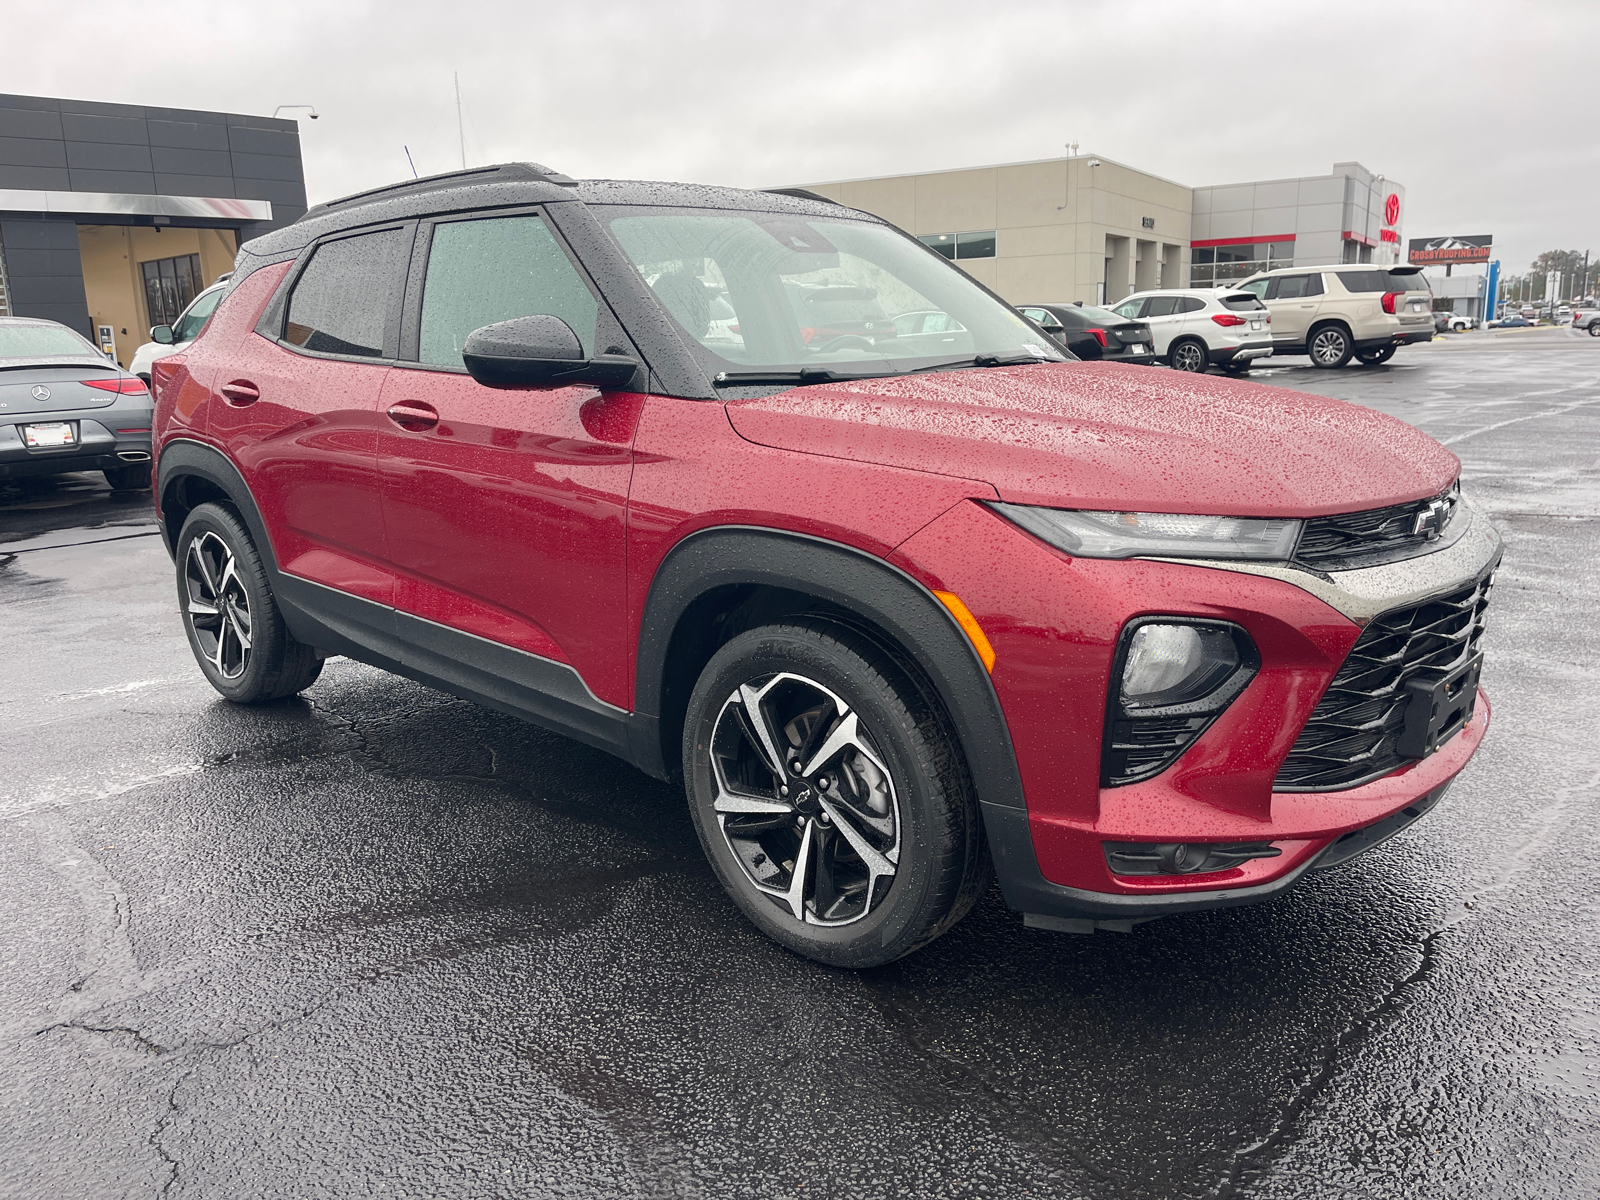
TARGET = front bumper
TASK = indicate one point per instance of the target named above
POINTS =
(1052, 672)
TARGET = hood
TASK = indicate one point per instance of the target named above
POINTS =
(1108, 436)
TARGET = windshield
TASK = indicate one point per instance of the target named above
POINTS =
(781, 293)
(194, 317)
(44, 341)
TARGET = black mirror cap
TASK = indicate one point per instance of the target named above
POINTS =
(161, 334)
(539, 349)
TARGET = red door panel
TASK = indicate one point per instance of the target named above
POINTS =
(307, 445)
(505, 512)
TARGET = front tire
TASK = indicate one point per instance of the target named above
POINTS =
(829, 796)
(238, 636)
(1371, 358)
(1189, 355)
(1330, 347)
(1594, 328)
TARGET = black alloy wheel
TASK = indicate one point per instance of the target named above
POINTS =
(1189, 355)
(1330, 347)
(828, 795)
(235, 630)
(1379, 354)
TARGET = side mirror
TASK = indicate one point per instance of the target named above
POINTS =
(162, 334)
(539, 349)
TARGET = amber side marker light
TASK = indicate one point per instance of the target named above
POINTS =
(969, 623)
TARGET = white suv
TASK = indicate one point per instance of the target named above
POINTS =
(169, 339)
(1195, 328)
(1333, 313)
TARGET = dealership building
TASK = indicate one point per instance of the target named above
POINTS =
(1091, 230)
(112, 216)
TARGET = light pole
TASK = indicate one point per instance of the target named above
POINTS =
(281, 107)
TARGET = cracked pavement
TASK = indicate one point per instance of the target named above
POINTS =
(380, 941)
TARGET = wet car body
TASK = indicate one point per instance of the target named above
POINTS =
(652, 515)
(65, 407)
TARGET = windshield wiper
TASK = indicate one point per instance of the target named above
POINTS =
(985, 360)
(824, 375)
(802, 376)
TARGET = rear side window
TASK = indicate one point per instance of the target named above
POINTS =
(481, 272)
(1365, 281)
(1298, 287)
(341, 302)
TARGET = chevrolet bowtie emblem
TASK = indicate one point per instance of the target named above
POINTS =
(1429, 523)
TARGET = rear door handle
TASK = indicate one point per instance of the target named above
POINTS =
(414, 416)
(240, 393)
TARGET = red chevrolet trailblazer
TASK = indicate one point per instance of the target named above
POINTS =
(898, 609)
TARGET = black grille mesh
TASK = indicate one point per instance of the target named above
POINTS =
(1352, 733)
(1364, 539)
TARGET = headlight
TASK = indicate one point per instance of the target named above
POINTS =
(1155, 535)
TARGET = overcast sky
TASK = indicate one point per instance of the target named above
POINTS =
(1485, 112)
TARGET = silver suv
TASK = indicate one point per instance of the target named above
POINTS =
(1334, 313)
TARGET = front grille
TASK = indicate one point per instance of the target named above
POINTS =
(1379, 535)
(1354, 733)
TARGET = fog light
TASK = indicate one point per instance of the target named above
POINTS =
(1170, 680)
(1182, 858)
(1174, 664)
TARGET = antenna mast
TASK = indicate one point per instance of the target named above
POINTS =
(461, 136)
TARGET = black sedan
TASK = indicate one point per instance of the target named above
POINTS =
(1091, 332)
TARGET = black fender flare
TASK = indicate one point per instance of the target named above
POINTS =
(184, 457)
(881, 595)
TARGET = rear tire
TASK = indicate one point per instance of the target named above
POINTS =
(128, 479)
(874, 846)
(1189, 354)
(1594, 328)
(1330, 347)
(1372, 358)
(238, 636)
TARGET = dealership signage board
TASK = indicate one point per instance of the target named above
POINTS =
(1474, 249)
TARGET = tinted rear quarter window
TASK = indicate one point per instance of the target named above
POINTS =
(1189, 304)
(341, 302)
(484, 271)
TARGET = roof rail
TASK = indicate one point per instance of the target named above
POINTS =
(802, 194)
(510, 172)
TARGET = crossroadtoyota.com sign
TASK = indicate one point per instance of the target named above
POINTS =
(1473, 249)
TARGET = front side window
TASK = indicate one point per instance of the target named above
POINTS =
(1161, 306)
(194, 318)
(484, 271)
(1258, 286)
(783, 292)
(340, 303)
(1129, 310)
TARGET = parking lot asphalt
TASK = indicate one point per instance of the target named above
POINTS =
(379, 941)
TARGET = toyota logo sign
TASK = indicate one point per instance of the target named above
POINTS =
(1391, 209)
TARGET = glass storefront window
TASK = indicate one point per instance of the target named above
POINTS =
(169, 286)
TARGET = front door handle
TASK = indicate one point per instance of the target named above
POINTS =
(240, 393)
(414, 416)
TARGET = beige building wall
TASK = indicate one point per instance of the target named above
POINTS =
(1062, 227)
(114, 286)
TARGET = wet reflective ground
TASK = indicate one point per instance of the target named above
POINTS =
(384, 942)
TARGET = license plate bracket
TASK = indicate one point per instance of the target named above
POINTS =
(50, 435)
(1440, 704)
